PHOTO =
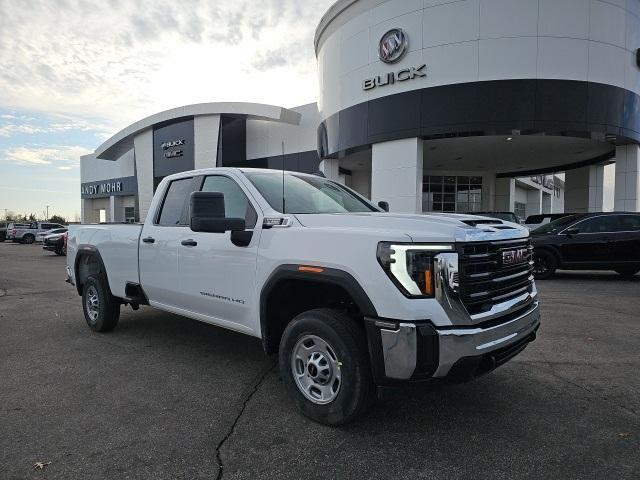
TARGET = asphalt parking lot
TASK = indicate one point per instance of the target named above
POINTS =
(167, 397)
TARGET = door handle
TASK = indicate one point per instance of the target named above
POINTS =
(189, 243)
(149, 240)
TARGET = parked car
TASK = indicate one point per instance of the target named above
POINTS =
(3, 231)
(349, 295)
(588, 241)
(28, 234)
(506, 216)
(534, 221)
(13, 227)
(55, 242)
(40, 236)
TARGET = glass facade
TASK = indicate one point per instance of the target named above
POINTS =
(450, 193)
(520, 209)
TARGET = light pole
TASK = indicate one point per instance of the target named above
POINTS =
(47, 213)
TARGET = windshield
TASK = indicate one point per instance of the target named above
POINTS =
(555, 225)
(307, 194)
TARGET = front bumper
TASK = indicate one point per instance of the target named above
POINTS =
(414, 351)
(53, 246)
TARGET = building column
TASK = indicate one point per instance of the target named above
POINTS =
(627, 186)
(584, 189)
(116, 209)
(534, 201)
(547, 202)
(143, 151)
(396, 174)
(206, 129)
(331, 168)
(505, 194)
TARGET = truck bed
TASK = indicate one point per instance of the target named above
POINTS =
(118, 247)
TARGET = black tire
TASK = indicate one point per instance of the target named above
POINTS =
(346, 340)
(627, 272)
(545, 265)
(28, 239)
(106, 313)
(60, 252)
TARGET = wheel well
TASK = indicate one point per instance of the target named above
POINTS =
(87, 264)
(553, 252)
(289, 297)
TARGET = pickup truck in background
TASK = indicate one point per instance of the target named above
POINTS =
(28, 233)
(349, 296)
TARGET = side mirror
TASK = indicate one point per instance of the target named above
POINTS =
(384, 205)
(572, 231)
(207, 214)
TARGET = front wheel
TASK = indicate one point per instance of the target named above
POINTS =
(101, 309)
(627, 272)
(324, 363)
(544, 265)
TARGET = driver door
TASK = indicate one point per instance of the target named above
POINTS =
(216, 278)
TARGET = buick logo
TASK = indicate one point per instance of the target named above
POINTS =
(393, 45)
(511, 257)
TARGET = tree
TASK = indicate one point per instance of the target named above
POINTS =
(57, 219)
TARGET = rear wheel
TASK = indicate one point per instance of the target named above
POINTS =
(544, 265)
(28, 239)
(324, 363)
(628, 272)
(101, 309)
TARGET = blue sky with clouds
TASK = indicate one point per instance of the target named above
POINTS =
(65, 90)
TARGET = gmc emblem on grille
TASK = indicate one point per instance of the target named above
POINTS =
(510, 257)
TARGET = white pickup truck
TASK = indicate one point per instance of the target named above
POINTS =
(350, 296)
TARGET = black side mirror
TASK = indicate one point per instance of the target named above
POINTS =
(384, 205)
(572, 231)
(207, 214)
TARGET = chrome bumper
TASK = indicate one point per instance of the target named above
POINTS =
(470, 342)
(410, 351)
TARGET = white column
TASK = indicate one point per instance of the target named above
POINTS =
(627, 186)
(143, 148)
(547, 202)
(83, 209)
(534, 201)
(584, 189)
(396, 174)
(205, 140)
(331, 168)
(505, 194)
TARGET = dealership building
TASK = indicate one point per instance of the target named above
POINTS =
(430, 105)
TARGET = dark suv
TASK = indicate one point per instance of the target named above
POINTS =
(588, 241)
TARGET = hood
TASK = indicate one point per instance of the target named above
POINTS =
(419, 228)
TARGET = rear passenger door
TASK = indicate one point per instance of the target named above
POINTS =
(159, 244)
(216, 277)
(626, 238)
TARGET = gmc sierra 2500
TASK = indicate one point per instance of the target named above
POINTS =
(350, 296)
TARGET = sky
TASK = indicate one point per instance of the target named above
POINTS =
(75, 72)
(72, 73)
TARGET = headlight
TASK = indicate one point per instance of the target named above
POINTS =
(410, 266)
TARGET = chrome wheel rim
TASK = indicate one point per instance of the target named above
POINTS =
(92, 304)
(316, 369)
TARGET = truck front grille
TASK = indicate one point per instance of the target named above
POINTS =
(494, 272)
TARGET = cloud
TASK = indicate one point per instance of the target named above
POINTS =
(150, 55)
(60, 156)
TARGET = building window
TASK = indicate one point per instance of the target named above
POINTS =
(130, 214)
(520, 209)
(451, 194)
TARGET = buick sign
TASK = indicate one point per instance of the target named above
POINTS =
(393, 45)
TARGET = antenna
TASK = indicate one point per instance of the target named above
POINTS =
(283, 202)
